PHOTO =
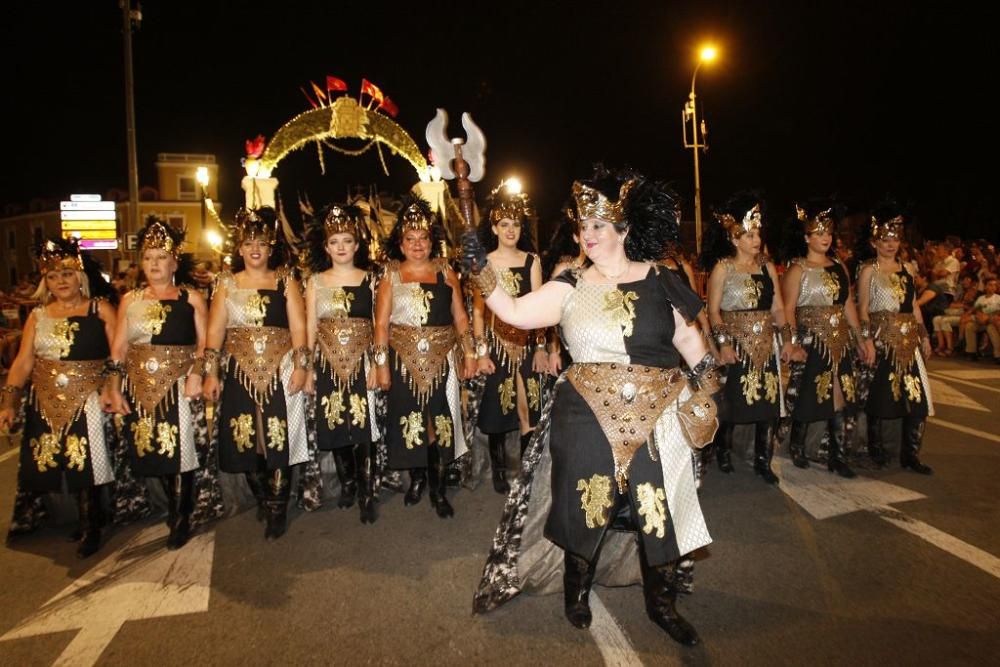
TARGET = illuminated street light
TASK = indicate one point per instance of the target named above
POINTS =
(513, 185)
(707, 54)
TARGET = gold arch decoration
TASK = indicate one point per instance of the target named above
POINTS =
(345, 118)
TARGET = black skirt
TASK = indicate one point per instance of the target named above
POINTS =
(892, 395)
(343, 416)
(814, 391)
(752, 397)
(498, 409)
(408, 422)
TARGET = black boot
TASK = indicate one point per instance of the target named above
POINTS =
(578, 576)
(797, 444)
(913, 437)
(418, 480)
(180, 505)
(89, 501)
(724, 447)
(257, 481)
(364, 455)
(876, 448)
(498, 461)
(347, 473)
(659, 587)
(763, 447)
(436, 472)
(279, 487)
(837, 459)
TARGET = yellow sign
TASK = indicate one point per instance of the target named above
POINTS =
(99, 234)
(69, 225)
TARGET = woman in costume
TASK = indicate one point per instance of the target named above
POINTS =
(612, 450)
(513, 360)
(258, 312)
(339, 308)
(819, 308)
(898, 389)
(158, 355)
(419, 322)
(64, 351)
(744, 307)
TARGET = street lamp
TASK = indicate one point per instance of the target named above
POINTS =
(697, 141)
(201, 175)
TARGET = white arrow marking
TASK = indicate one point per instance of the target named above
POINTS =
(971, 375)
(140, 580)
(945, 394)
(611, 639)
(965, 382)
(963, 429)
(824, 495)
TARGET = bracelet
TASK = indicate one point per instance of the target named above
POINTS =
(8, 396)
(705, 375)
(485, 281)
(866, 329)
(721, 337)
(210, 362)
(198, 367)
(113, 367)
(303, 358)
(482, 347)
(380, 353)
(468, 343)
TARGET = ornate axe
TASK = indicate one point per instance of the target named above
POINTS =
(469, 161)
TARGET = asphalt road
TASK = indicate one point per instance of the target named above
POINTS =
(891, 568)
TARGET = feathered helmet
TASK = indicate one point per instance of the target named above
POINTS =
(592, 203)
(59, 255)
(508, 201)
(158, 234)
(342, 220)
(887, 222)
(254, 224)
(738, 218)
(821, 223)
(415, 214)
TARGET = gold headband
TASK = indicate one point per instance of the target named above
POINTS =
(591, 203)
(506, 204)
(890, 229)
(821, 223)
(249, 226)
(751, 222)
(157, 237)
(340, 221)
(415, 217)
(55, 258)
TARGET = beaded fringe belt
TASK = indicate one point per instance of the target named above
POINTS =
(151, 371)
(900, 333)
(61, 389)
(626, 399)
(422, 356)
(829, 329)
(342, 346)
(752, 332)
(258, 352)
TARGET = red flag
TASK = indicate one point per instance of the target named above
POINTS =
(389, 106)
(320, 95)
(314, 105)
(255, 147)
(333, 83)
(370, 89)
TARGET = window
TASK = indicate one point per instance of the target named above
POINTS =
(176, 221)
(187, 188)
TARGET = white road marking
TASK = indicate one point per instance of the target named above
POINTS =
(964, 429)
(824, 495)
(140, 580)
(612, 642)
(945, 394)
(979, 374)
(9, 455)
(938, 374)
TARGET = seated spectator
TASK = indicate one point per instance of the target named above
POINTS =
(954, 314)
(982, 316)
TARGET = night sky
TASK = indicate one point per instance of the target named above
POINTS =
(852, 99)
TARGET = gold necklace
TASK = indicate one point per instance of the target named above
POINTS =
(608, 276)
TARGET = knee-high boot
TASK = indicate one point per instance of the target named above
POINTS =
(913, 437)
(436, 471)
(279, 486)
(88, 503)
(763, 445)
(837, 459)
(797, 444)
(498, 461)
(365, 464)
(180, 505)
(876, 448)
(724, 447)
(343, 459)
(418, 480)
(578, 577)
(257, 481)
(659, 587)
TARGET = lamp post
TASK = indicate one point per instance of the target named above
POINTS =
(697, 141)
(201, 175)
